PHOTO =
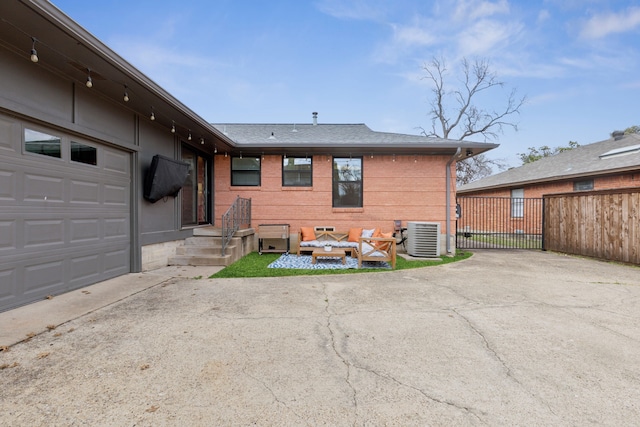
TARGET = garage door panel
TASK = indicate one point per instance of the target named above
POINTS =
(116, 262)
(44, 278)
(7, 138)
(8, 187)
(84, 230)
(84, 269)
(39, 233)
(116, 228)
(116, 161)
(116, 195)
(8, 235)
(84, 192)
(39, 187)
(9, 284)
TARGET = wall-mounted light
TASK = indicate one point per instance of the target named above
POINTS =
(34, 52)
(126, 94)
(89, 82)
(173, 126)
(189, 137)
(215, 150)
(153, 116)
(225, 154)
(394, 157)
(201, 141)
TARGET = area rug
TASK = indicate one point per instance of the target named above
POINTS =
(304, 262)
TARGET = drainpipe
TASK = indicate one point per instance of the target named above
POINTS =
(448, 174)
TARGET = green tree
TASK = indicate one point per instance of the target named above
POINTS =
(632, 129)
(543, 151)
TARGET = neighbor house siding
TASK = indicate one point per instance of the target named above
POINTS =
(409, 188)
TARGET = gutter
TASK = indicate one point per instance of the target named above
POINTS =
(448, 207)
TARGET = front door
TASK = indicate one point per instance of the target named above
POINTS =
(195, 192)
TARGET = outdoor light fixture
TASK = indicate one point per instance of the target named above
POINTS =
(469, 152)
(201, 141)
(215, 150)
(89, 81)
(189, 137)
(34, 52)
(153, 116)
(126, 94)
(173, 126)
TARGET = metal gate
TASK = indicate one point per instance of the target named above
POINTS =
(499, 223)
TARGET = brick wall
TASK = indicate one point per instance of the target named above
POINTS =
(411, 188)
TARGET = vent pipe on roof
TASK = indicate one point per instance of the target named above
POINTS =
(315, 118)
(617, 134)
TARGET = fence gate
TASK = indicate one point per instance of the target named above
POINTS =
(499, 223)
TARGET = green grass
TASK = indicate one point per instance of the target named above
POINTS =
(255, 265)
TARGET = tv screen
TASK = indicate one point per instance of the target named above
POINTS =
(164, 178)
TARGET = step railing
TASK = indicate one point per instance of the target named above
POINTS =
(238, 214)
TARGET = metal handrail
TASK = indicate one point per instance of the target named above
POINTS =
(239, 213)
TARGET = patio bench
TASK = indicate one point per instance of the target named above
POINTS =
(366, 245)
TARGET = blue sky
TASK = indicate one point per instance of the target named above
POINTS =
(360, 61)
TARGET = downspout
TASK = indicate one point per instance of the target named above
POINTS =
(448, 175)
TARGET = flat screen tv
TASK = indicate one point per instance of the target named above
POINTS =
(164, 178)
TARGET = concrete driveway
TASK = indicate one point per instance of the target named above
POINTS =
(503, 338)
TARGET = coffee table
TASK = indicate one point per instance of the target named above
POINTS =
(333, 253)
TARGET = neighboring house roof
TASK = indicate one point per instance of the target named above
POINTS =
(339, 138)
(615, 155)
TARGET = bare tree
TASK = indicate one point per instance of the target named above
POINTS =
(454, 115)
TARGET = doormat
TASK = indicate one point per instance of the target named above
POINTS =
(304, 262)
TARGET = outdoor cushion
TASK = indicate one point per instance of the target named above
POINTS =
(368, 233)
(383, 246)
(308, 234)
(354, 234)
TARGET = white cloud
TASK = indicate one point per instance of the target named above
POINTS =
(353, 9)
(470, 10)
(412, 36)
(485, 36)
(601, 25)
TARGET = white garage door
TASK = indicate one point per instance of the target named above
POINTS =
(64, 212)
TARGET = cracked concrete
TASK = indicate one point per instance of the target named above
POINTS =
(503, 338)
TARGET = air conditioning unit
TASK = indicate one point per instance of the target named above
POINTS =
(423, 239)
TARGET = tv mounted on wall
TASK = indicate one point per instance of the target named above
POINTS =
(164, 178)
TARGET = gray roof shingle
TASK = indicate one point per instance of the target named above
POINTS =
(584, 161)
(323, 136)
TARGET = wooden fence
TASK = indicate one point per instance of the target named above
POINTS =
(600, 224)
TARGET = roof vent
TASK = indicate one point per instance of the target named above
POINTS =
(617, 134)
(315, 118)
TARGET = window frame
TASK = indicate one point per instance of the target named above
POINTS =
(95, 150)
(53, 138)
(584, 185)
(517, 203)
(335, 184)
(236, 173)
(285, 172)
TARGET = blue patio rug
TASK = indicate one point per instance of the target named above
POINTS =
(304, 262)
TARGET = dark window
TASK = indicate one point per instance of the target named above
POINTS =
(583, 185)
(42, 143)
(84, 153)
(296, 172)
(245, 171)
(347, 182)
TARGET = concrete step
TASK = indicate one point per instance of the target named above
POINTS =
(215, 242)
(198, 250)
